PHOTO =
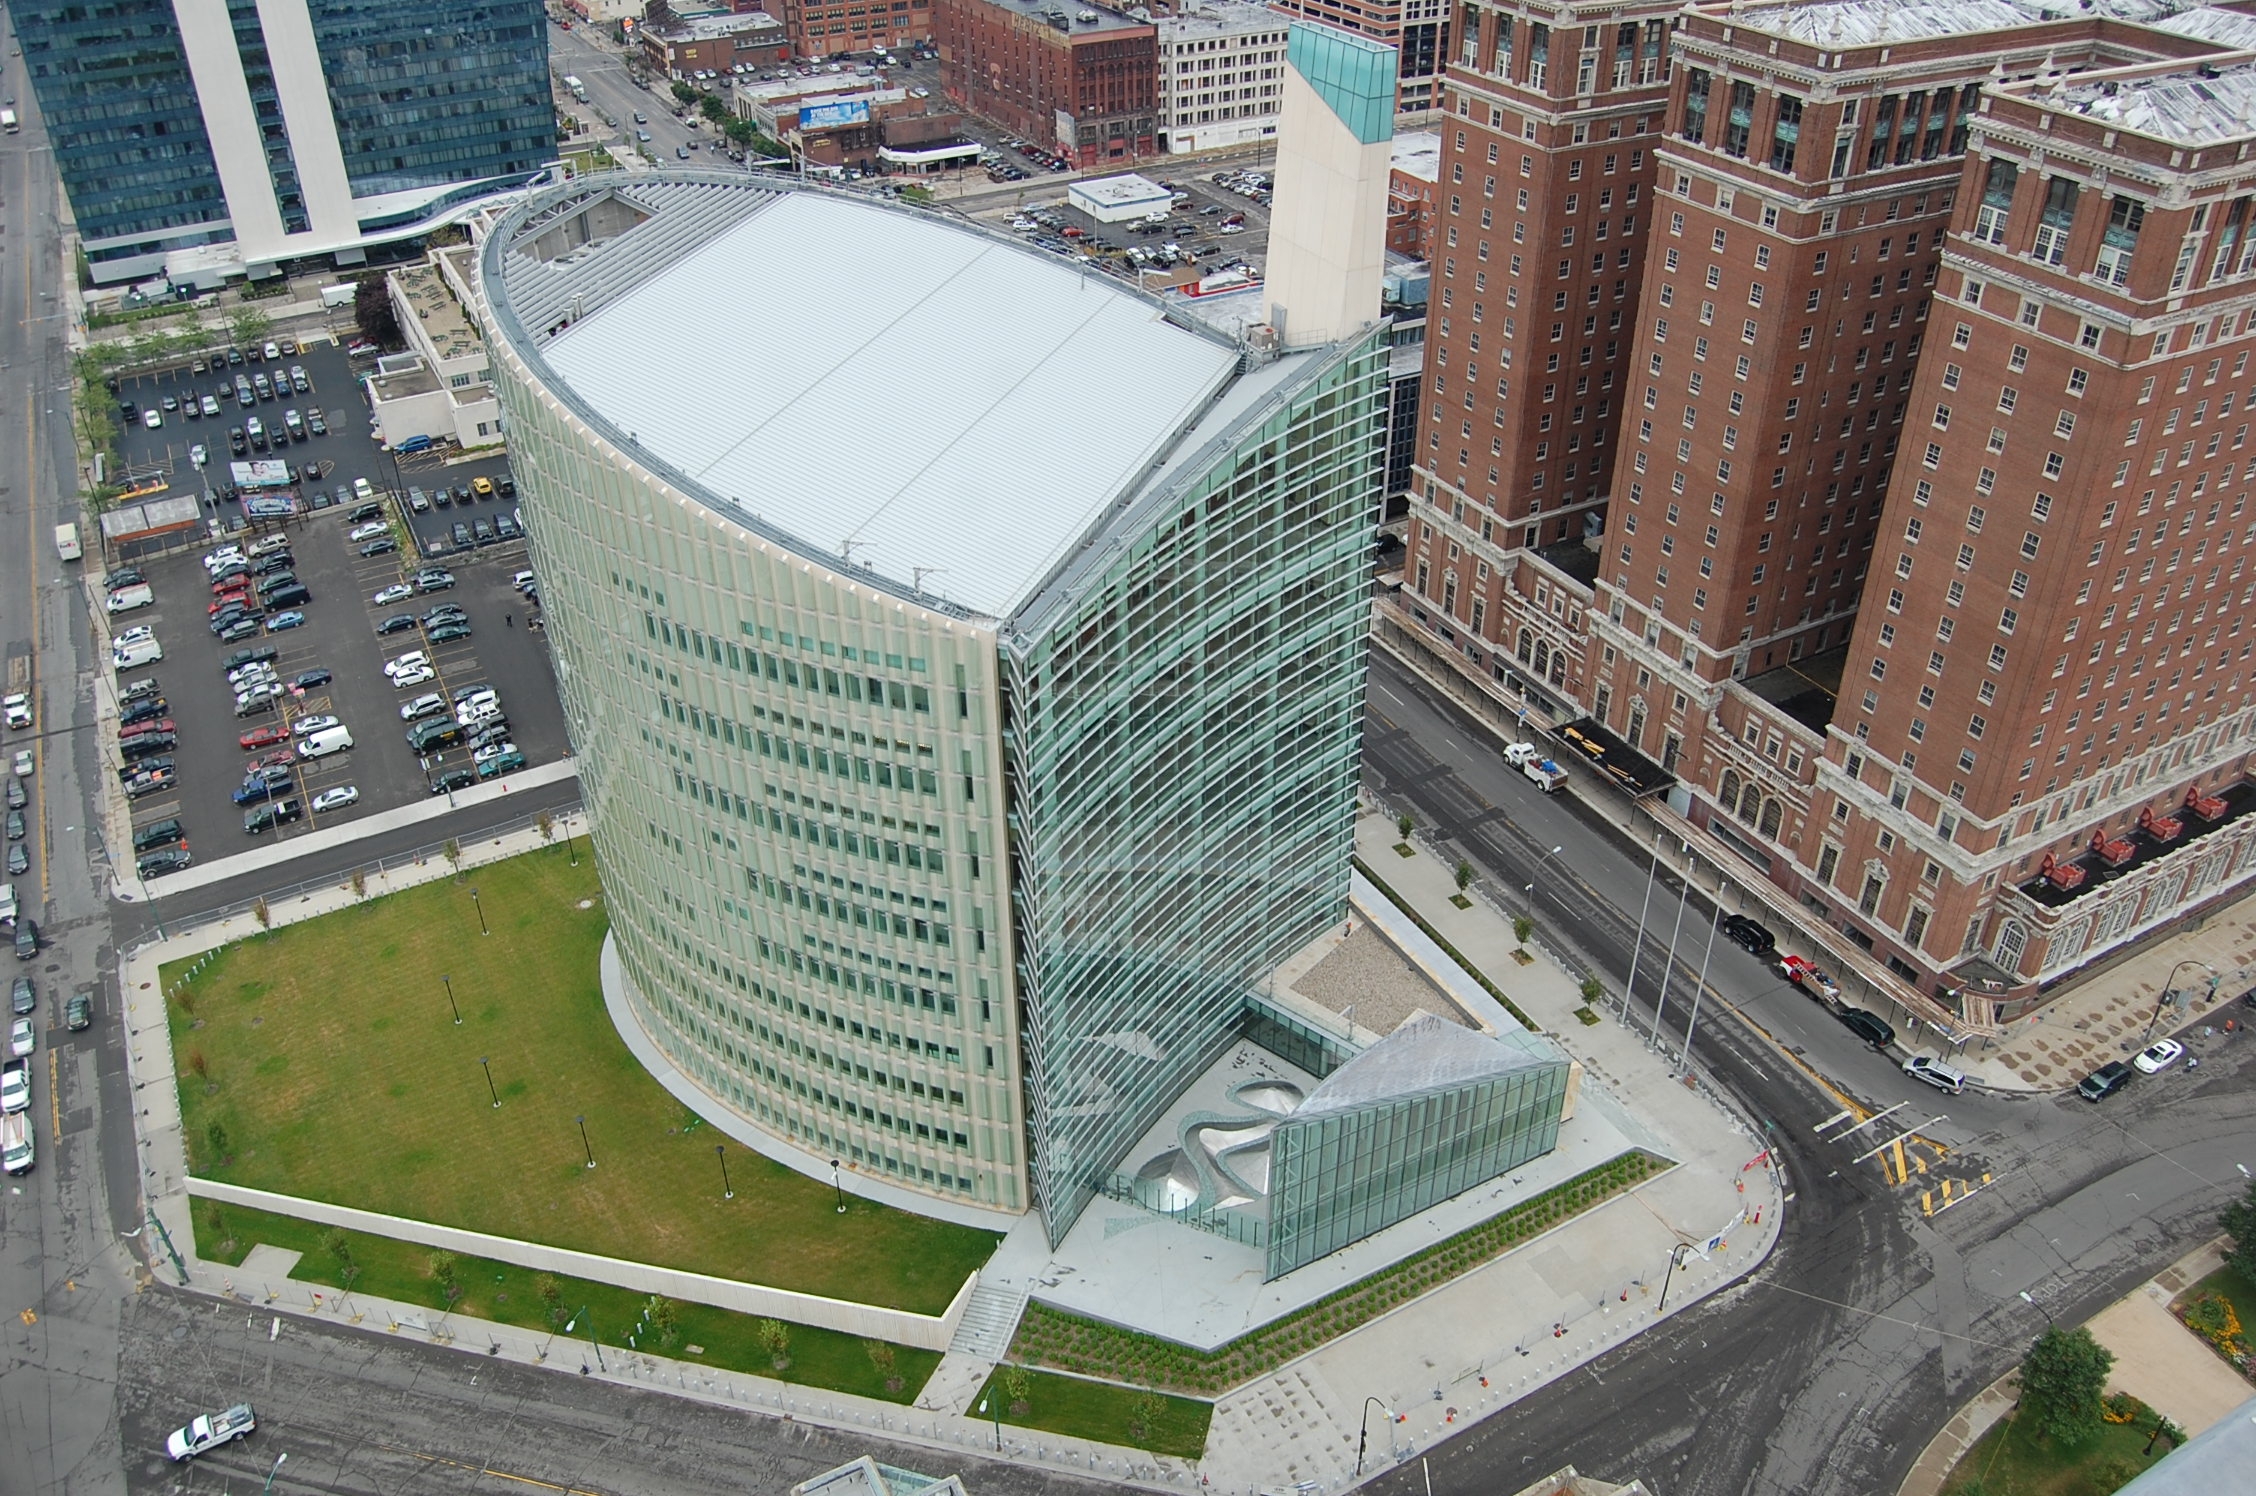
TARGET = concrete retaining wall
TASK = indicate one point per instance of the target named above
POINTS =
(869, 1321)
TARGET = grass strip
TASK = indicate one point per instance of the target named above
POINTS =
(1449, 950)
(1131, 1417)
(601, 1312)
(1092, 1348)
(2013, 1459)
(322, 1060)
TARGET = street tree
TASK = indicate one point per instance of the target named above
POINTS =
(372, 310)
(2063, 1378)
(248, 326)
(2239, 1223)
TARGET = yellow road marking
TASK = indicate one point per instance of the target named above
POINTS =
(523, 1480)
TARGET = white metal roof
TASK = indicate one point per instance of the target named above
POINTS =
(2227, 26)
(890, 387)
(1425, 1052)
(1867, 23)
(2195, 107)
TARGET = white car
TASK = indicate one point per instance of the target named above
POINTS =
(1517, 754)
(477, 704)
(428, 705)
(198, 456)
(305, 726)
(336, 799)
(22, 1038)
(408, 661)
(369, 531)
(15, 1089)
(135, 634)
(415, 675)
(152, 418)
(492, 750)
(17, 704)
(23, 763)
(2159, 1056)
(392, 594)
(214, 560)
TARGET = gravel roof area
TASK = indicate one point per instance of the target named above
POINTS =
(1369, 974)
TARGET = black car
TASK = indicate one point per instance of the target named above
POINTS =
(142, 711)
(237, 442)
(382, 545)
(461, 534)
(398, 623)
(275, 813)
(506, 486)
(78, 1013)
(158, 835)
(485, 532)
(19, 860)
(362, 514)
(445, 613)
(2104, 1082)
(267, 566)
(453, 779)
(16, 825)
(155, 743)
(22, 996)
(27, 940)
(292, 596)
(306, 680)
(1868, 1026)
(506, 527)
(441, 498)
(156, 864)
(16, 797)
(1744, 932)
(126, 578)
(256, 654)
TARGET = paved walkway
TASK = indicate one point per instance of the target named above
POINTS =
(2157, 1360)
(2089, 1022)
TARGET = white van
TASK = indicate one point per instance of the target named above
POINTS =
(126, 599)
(127, 653)
(325, 742)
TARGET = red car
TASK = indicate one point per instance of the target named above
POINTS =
(145, 729)
(280, 758)
(1809, 977)
(240, 582)
(264, 737)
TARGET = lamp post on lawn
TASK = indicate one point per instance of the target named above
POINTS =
(482, 930)
(986, 1399)
(585, 1145)
(488, 1068)
(720, 1152)
(840, 1188)
(450, 1000)
(575, 1319)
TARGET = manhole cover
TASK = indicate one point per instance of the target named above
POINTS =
(587, 903)
(180, 1332)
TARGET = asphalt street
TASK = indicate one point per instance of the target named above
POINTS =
(1831, 1367)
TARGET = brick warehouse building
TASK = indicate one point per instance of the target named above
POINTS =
(1773, 614)
(1079, 78)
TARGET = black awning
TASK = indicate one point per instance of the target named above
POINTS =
(1588, 742)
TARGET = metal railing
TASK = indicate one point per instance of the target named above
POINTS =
(1146, 1194)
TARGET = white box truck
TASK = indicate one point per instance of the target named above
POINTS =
(579, 89)
(66, 542)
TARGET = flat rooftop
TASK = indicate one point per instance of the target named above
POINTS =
(1119, 191)
(1872, 23)
(931, 402)
(2196, 106)
(1077, 19)
(1804, 689)
(1418, 153)
(1217, 18)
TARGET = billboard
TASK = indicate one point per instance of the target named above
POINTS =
(833, 114)
(262, 474)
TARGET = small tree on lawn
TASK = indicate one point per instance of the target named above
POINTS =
(775, 1339)
(551, 1295)
(359, 884)
(1018, 1389)
(2063, 1378)
(453, 852)
(547, 826)
(215, 1136)
(665, 1318)
(881, 1357)
(1144, 1414)
(2239, 1223)
(262, 914)
(442, 1268)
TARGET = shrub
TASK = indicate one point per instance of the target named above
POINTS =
(775, 1339)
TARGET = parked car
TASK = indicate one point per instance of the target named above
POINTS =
(453, 779)
(1744, 932)
(210, 1431)
(447, 633)
(78, 1013)
(397, 623)
(288, 619)
(306, 680)
(335, 799)
(22, 996)
(462, 537)
(1936, 1073)
(2104, 1082)
(2159, 1056)
(382, 545)
(157, 864)
(1868, 1026)
(433, 579)
(255, 655)
(392, 594)
(272, 814)
(158, 834)
(428, 705)
(505, 763)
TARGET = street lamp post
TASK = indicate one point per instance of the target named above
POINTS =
(721, 1152)
(1637, 950)
(575, 1319)
(835, 1185)
(585, 1145)
(1363, 1432)
(985, 1400)
(482, 930)
(1668, 962)
(271, 1472)
(1699, 988)
(449, 981)
(2171, 986)
(488, 1068)
(1676, 1254)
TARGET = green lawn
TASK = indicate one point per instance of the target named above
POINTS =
(327, 1056)
(1101, 1411)
(510, 1295)
(2013, 1459)
(2231, 1286)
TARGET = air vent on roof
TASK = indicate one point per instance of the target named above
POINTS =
(1088, 17)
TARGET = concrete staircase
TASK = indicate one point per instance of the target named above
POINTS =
(989, 1320)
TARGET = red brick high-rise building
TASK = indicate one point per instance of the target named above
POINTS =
(1861, 532)
(1077, 78)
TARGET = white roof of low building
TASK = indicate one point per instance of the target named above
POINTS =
(1120, 191)
(888, 386)
(1208, 19)
(2227, 26)
(1418, 153)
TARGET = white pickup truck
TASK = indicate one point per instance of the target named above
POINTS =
(209, 1432)
(1530, 761)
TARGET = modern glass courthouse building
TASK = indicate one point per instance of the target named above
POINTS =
(217, 137)
(965, 657)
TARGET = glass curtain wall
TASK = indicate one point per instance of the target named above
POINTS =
(1183, 730)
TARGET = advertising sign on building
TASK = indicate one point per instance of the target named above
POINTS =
(833, 114)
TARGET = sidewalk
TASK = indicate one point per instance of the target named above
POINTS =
(2157, 1360)
(2091, 1022)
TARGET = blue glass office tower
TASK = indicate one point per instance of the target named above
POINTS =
(204, 138)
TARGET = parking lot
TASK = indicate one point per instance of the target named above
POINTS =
(1214, 225)
(338, 633)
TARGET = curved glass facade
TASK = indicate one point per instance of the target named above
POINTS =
(962, 900)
